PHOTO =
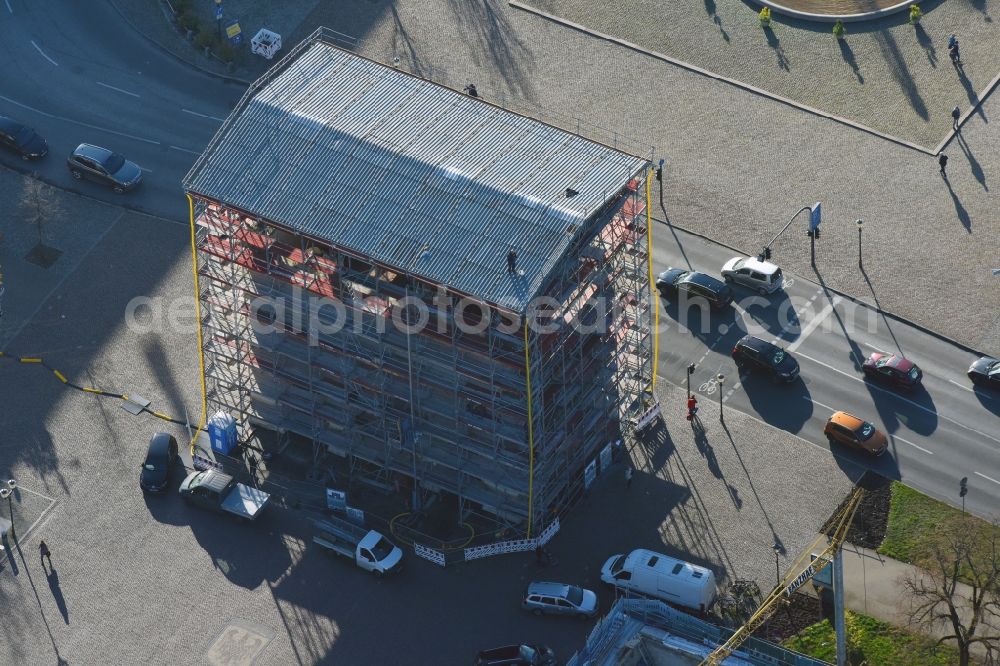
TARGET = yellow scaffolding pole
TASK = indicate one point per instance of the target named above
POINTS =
(197, 310)
(531, 428)
(652, 284)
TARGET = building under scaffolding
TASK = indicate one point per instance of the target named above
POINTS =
(425, 284)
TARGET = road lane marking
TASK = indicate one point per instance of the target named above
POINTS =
(898, 396)
(184, 150)
(873, 347)
(895, 437)
(814, 324)
(202, 115)
(78, 122)
(817, 402)
(963, 386)
(39, 49)
(146, 170)
(988, 478)
(7, 2)
(124, 92)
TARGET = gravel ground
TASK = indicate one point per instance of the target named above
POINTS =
(886, 74)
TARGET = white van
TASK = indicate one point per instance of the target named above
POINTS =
(656, 575)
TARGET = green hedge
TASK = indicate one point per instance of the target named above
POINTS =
(873, 642)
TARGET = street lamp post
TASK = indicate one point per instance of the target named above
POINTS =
(6, 492)
(776, 547)
(860, 223)
(721, 379)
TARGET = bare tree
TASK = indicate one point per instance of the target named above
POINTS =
(39, 205)
(956, 589)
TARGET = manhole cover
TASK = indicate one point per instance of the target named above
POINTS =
(239, 644)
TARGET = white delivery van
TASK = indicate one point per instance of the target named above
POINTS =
(662, 577)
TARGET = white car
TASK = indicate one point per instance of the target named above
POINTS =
(761, 276)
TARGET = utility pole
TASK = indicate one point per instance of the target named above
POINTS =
(721, 378)
(690, 371)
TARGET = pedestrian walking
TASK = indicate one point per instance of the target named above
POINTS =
(956, 113)
(943, 161)
(43, 552)
(628, 477)
(953, 53)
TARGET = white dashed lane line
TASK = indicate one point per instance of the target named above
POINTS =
(39, 49)
(77, 122)
(124, 92)
(7, 2)
(988, 478)
(184, 150)
(202, 115)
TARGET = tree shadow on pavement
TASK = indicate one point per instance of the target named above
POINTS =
(847, 53)
(927, 44)
(895, 61)
(974, 165)
(775, 43)
(498, 40)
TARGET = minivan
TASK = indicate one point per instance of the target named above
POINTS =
(662, 577)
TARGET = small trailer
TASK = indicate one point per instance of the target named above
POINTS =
(367, 548)
(214, 490)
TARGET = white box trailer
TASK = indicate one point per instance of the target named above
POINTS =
(659, 576)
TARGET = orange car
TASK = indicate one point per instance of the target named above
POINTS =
(851, 431)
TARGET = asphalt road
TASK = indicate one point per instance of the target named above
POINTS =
(77, 73)
(943, 432)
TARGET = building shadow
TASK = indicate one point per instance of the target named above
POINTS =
(57, 594)
(847, 53)
(974, 165)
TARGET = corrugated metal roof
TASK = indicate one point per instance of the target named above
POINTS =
(409, 173)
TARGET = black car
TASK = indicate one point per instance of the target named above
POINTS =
(517, 655)
(22, 139)
(694, 284)
(985, 372)
(104, 166)
(755, 354)
(161, 457)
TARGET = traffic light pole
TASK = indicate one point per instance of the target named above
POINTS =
(788, 224)
(812, 249)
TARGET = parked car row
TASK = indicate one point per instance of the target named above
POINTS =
(761, 276)
(85, 162)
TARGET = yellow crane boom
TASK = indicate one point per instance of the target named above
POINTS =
(800, 573)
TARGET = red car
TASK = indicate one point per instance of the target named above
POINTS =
(893, 370)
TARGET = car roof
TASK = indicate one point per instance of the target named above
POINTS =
(705, 280)
(847, 420)
(9, 125)
(900, 363)
(93, 152)
(757, 344)
(755, 264)
(548, 589)
(159, 443)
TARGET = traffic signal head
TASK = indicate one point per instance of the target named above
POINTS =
(817, 233)
(767, 253)
(691, 369)
(659, 173)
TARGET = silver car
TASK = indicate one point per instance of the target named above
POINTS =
(761, 276)
(559, 599)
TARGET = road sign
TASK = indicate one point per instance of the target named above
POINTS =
(814, 216)
(234, 32)
(218, 12)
